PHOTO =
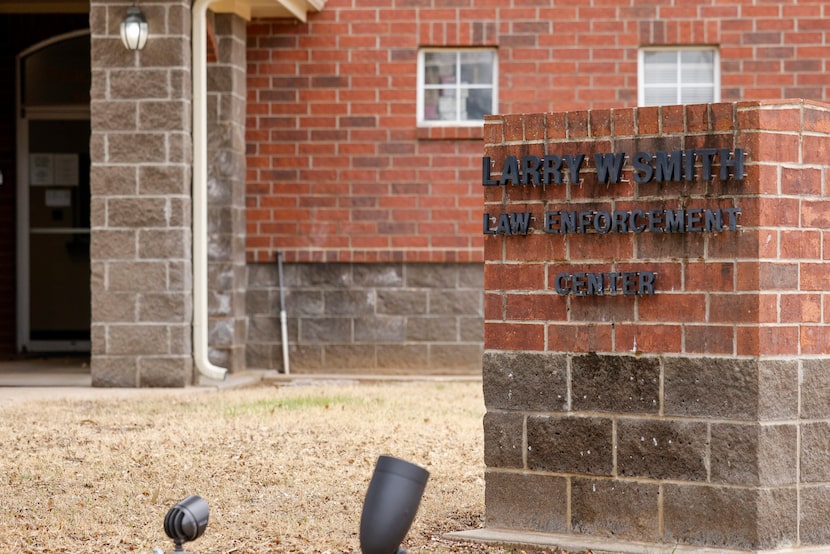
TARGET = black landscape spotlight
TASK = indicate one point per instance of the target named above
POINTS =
(186, 521)
(391, 503)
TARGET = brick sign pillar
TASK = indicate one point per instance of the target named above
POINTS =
(656, 339)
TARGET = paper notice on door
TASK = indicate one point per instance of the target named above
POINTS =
(58, 198)
(41, 171)
(66, 169)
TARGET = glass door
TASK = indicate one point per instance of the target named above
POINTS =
(53, 199)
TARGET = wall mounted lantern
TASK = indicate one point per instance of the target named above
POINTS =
(134, 29)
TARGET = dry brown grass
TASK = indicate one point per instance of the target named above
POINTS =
(283, 469)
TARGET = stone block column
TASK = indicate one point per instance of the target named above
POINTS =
(141, 205)
(657, 321)
(226, 193)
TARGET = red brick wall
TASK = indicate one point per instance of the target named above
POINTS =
(337, 169)
(756, 291)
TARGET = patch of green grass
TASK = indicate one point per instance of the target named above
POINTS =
(298, 403)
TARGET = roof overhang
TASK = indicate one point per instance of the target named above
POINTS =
(44, 6)
(249, 9)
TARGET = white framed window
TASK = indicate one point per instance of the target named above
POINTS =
(456, 87)
(688, 75)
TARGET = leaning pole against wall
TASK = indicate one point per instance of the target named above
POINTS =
(657, 334)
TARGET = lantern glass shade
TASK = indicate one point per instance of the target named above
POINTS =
(134, 29)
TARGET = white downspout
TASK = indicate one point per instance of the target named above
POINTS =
(200, 265)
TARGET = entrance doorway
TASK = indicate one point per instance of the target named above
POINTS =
(53, 196)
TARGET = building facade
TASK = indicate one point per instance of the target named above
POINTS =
(345, 135)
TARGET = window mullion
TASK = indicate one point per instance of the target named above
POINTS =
(679, 77)
(458, 86)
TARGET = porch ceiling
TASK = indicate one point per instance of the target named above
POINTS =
(295, 9)
(44, 6)
(248, 9)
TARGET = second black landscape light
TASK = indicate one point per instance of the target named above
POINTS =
(391, 504)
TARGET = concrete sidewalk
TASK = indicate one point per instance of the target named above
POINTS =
(45, 371)
(69, 377)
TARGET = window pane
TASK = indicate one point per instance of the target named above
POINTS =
(447, 106)
(431, 105)
(65, 63)
(477, 67)
(431, 75)
(660, 56)
(660, 67)
(696, 73)
(439, 59)
(697, 56)
(697, 95)
(479, 103)
(439, 67)
(660, 96)
(660, 74)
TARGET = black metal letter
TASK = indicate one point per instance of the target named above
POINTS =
(485, 225)
(530, 170)
(485, 173)
(737, 164)
(510, 172)
(707, 155)
(609, 167)
(560, 284)
(668, 166)
(552, 165)
(643, 172)
(574, 165)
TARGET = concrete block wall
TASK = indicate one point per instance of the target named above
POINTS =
(352, 318)
(141, 209)
(696, 415)
(226, 193)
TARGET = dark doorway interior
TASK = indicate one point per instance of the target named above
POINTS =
(17, 33)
